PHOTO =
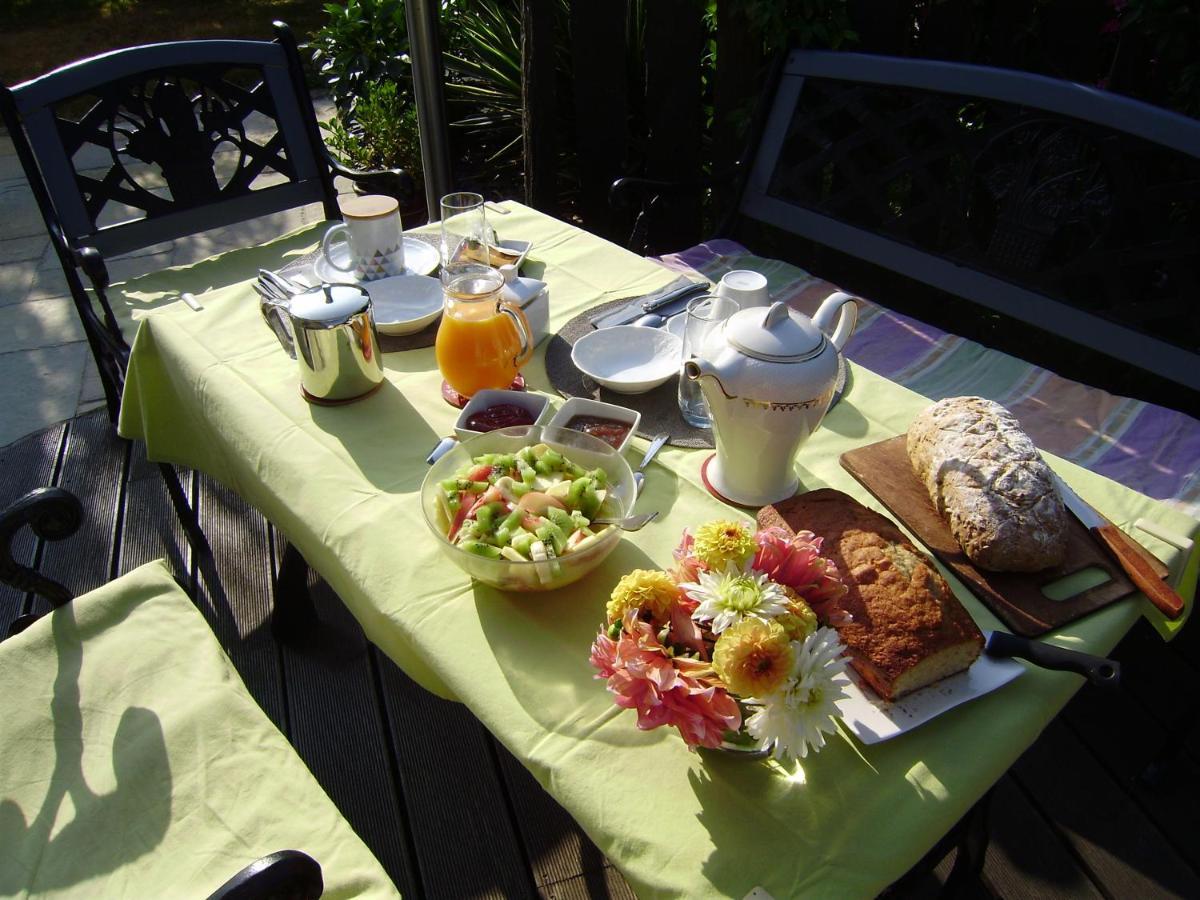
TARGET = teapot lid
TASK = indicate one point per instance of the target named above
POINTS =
(774, 334)
(329, 304)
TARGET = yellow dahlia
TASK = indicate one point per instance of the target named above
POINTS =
(799, 621)
(753, 657)
(723, 541)
(649, 589)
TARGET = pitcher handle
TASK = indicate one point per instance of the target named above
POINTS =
(523, 329)
(839, 301)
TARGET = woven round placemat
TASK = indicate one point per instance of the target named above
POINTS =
(659, 407)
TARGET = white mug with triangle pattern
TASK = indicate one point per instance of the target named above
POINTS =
(373, 235)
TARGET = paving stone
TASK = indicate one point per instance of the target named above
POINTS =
(16, 278)
(39, 387)
(41, 323)
(92, 389)
(48, 283)
(20, 216)
(25, 248)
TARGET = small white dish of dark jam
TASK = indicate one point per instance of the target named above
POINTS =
(489, 410)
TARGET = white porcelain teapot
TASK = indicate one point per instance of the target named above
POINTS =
(768, 376)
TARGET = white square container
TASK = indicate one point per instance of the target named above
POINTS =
(582, 406)
(537, 405)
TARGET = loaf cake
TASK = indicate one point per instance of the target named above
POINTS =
(901, 623)
(986, 478)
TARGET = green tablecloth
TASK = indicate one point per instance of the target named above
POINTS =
(135, 763)
(213, 390)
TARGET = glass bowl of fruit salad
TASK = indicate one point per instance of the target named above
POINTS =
(514, 508)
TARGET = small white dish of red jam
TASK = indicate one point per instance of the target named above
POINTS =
(613, 424)
(492, 409)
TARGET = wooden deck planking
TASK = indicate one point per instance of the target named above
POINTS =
(450, 813)
(28, 463)
(1117, 844)
(455, 801)
(336, 725)
(93, 468)
(1026, 858)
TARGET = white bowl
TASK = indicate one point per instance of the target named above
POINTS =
(404, 304)
(584, 406)
(537, 405)
(628, 359)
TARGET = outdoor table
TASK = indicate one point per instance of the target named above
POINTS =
(214, 391)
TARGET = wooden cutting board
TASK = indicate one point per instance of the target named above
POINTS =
(1016, 597)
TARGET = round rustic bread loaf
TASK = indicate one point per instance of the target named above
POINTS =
(988, 481)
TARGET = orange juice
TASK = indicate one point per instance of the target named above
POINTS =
(482, 341)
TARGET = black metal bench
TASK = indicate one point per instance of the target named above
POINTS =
(1057, 205)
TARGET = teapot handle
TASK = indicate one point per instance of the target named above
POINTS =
(835, 302)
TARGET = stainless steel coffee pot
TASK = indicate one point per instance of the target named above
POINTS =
(330, 331)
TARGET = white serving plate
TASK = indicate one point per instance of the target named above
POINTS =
(420, 258)
(872, 719)
(628, 359)
(404, 304)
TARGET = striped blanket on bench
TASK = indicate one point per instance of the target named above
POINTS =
(1154, 450)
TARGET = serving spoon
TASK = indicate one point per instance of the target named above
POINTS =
(639, 477)
(629, 523)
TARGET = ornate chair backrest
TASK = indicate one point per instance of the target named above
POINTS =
(1072, 209)
(151, 143)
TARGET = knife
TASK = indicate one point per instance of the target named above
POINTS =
(1122, 549)
(1096, 669)
(678, 289)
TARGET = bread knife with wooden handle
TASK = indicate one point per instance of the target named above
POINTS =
(1124, 551)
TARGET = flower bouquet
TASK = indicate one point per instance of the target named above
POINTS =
(726, 646)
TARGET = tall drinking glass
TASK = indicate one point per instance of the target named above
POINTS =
(482, 340)
(705, 315)
(466, 238)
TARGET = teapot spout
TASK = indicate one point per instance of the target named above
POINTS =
(697, 369)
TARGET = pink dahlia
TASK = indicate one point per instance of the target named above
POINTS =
(687, 564)
(663, 690)
(795, 560)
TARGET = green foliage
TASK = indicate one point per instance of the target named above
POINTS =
(1171, 29)
(364, 42)
(819, 24)
(382, 135)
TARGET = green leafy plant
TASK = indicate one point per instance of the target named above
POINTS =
(483, 85)
(803, 23)
(364, 42)
(382, 135)
(1171, 32)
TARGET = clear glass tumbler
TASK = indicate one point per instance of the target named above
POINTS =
(705, 315)
(465, 237)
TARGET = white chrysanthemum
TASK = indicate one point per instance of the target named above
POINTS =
(798, 716)
(729, 596)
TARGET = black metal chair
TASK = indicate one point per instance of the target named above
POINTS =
(196, 135)
(170, 118)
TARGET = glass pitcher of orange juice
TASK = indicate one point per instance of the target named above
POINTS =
(482, 341)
